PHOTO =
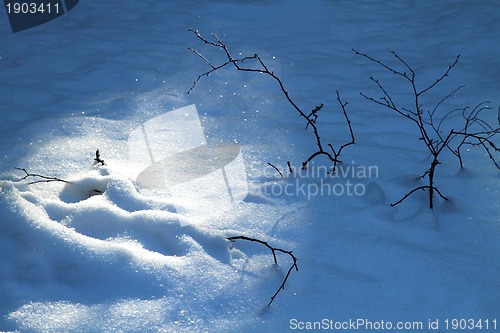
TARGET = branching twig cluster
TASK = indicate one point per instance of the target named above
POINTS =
(259, 66)
(474, 131)
(483, 136)
(273, 250)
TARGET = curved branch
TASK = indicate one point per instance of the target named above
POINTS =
(273, 251)
(424, 187)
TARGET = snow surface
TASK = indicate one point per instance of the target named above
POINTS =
(73, 260)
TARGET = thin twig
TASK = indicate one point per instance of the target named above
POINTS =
(380, 63)
(424, 187)
(440, 78)
(273, 250)
(351, 142)
(45, 179)
(275, 168)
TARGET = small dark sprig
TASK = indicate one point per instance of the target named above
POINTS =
(98, 159)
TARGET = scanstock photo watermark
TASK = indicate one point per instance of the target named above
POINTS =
(367, 325)
(348, 179)
(359, 324)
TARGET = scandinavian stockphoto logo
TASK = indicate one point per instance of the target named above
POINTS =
(348, 179)
(170, 155)
(28, 14)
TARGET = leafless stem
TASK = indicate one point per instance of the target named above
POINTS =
(273, 251)
(424, 187)
(44, 179)
(275, 168)
(337, 153)
(440, 78)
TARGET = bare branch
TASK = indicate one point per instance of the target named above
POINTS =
(430, 131)
(289, 167)
(273, 251)
(44, 179)
(262, 68)
(351, 142)
(441, 78)
(444, 99)
(424, 187)
(275, 168)
(482, 140)
(382, 64)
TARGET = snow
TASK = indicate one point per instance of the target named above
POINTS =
(128, 259)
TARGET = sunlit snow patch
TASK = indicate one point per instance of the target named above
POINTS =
(169, 154)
